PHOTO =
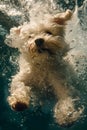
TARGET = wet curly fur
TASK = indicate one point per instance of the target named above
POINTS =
(42, 49)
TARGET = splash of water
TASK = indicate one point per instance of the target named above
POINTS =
(77, 37)
(76, 33)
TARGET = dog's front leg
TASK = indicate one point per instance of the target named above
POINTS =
(19, 92)
(65, 111)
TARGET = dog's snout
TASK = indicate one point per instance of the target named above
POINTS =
(39, 41)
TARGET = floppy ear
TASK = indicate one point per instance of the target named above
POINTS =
(61, 18)
(17, 36)
(13, 39)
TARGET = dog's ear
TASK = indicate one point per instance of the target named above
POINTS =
(61, 18)
(16, 37)
(13, 39)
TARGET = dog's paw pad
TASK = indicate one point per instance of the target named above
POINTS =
(19, 106)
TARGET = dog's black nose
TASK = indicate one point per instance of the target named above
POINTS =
(39, 42)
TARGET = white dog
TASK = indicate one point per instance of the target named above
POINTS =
(42, 49)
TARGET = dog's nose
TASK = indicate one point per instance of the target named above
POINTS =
(39, 42)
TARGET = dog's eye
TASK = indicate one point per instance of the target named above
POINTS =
(48, 32)
(29, 36)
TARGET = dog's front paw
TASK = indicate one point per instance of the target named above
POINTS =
(18, 104)
(65, 112)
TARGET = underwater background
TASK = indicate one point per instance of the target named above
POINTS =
(34, 118)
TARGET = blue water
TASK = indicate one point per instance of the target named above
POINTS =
(35, 119)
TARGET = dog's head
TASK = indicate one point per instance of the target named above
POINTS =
(43, 39)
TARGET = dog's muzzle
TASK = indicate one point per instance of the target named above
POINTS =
(39, 42)
(40, 45)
